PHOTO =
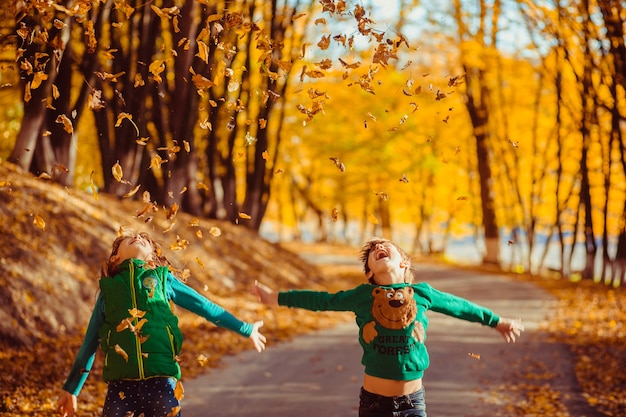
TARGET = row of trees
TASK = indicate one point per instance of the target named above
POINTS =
(540, 140)
(228, 109)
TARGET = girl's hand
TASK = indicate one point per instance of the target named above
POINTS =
(510, 329)
(264, 294)
(258, 340)
(67, 404)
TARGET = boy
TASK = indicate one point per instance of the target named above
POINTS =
(390, 312)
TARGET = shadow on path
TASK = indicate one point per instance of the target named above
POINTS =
(320, 374)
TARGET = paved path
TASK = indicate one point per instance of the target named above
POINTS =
(319, 375)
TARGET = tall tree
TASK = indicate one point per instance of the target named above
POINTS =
(477, 95)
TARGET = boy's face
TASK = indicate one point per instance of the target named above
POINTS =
(386, 264)
(134, 247)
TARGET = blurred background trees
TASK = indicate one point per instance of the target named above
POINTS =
(498, 124)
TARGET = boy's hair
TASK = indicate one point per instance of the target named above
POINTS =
(364, 255)
(109, 268)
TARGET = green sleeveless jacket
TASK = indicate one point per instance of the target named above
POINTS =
(140, 337)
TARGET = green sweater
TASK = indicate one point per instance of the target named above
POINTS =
(392, 322)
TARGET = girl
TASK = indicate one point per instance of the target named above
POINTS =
(134, 325)
(390, 312)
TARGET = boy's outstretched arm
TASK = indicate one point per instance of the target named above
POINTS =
(510, 329)
(257, 338)
(265, 294)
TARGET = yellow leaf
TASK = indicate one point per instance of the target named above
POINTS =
(135, 313)
(201, 82)
(37, 79)
(179, 391)
(39, 222)
(67, 123)
(123, 325)
(215, 231)
(121, 352)
(244, 216)
(127, 116)
(372, 219)
(132, 192)
(116, 170)
(203, 52)
(140, 324)
(157, 161)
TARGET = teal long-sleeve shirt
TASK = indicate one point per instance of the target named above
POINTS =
(392, 322)
(178, 292)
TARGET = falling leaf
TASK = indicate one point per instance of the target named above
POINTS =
(139, 325)
(179, 391)
(132, 192)
(463, 198)
(38, 78)
(474, 355)
(180, 244)
(67, 123)
(372, 219)
(39, 222)
(172, 212)
(334, 214)
(126, 116)
(215, 231)
(121, 352)
(124, 324)
(135, 313)
(95, 100)
(244, 216)
(324, 43)
(174, 412)
(117, 171)
(404, 179)
(202, 359)
(170, 227)
(156, 161)
(338, 164)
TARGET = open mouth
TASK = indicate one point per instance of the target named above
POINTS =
(381, 254)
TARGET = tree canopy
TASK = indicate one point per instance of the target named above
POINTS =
(495, 121)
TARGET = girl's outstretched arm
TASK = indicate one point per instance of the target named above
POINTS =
(257, 338)
(510, 329)
(67, 404)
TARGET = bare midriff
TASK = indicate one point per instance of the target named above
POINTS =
(390, 387)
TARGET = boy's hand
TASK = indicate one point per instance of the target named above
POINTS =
(265, 294)
(67, 404)
(258, 340)
(510, 329)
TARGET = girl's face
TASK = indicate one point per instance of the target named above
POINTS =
(136, 246)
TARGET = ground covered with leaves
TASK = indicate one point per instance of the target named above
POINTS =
(52, 243)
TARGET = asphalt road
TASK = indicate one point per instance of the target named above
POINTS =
(319, 374)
